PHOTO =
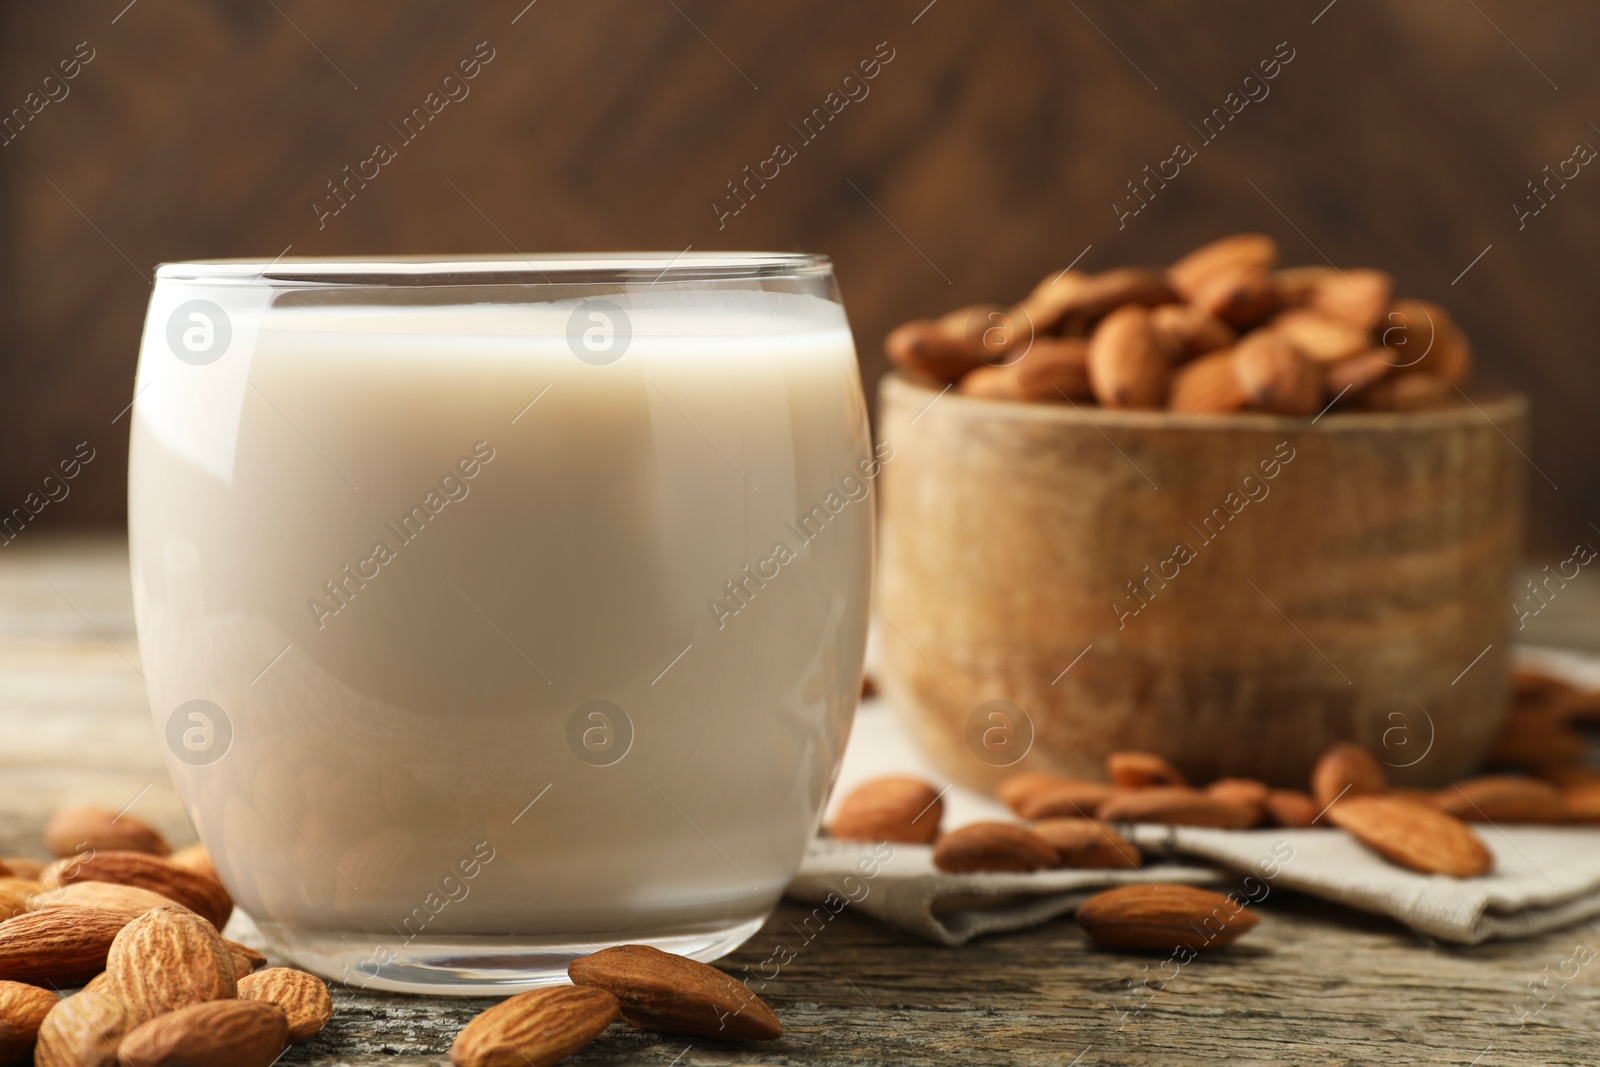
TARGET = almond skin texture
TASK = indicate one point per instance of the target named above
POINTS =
(1127, 365)
(200, 894)
(1087, 843)
(534, 1029)
(1161, 918)
(1349, 770)
(1056, 370)
(1288, 808)
(1186, 331)
(83, 1030)
(304, 998)
(239, 1033)
(1503, 798)
(898, 809)
(992, 846)
(59, 947)
(1043, 796)
(1176, 805)
(1208, 386)
(74, 830)
(1240, 253)
(22, 1009)
(676, 995)
(125, 900)
(1136, 770)
(1413, 835)
(1276, 376)
(195, 858)
(167, 959)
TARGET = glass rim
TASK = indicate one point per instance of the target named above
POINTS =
(417, 271)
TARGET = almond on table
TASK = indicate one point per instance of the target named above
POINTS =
(1041, 796)
(74, 830)
(1135, 770)
(1087, 843)
(533, 1029)
(676, 995)
(1503, 798)
(1413, 835)
(1176, 805)
(1164, 917)
(1347, 769)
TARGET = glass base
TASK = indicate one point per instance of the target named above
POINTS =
(476, 966)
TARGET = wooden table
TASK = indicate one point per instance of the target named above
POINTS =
(1313, 984)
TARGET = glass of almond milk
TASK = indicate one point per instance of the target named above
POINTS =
(497, 610)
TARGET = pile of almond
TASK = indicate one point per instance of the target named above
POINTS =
(137, 928)
(650, 989)
(1218, 331)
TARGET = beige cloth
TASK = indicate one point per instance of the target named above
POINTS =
(1544, 877)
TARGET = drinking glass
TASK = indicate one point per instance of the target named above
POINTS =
(498, 610)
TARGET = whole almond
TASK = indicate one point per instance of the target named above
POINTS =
(676, 995)
(304, 998)
(1422, 339)
(1087, 843)
(1276, 377)
(58, 946)
(246, 960)
(1413, 835)
(14, 895)
(1070, 303)
(1164, 918)
(898, 809)
(1208, 385)
(1503, 798)
(127, 901)
(1537, 739)
(22, 1008)
(195, 858)
(1186, 331)
(1317, 337)
(1358, 297)
(1245, 791)
(992, 846)
(1127, 366)
(74, 830)
(1041, 796)
(83, 1030)
(200, 894)
(1241, 300)
(1137, 770)
(928, 352)
(1349, 378)
(1054, 369)
(1346, 769)
(166, 959)
(1176, 805)
(1240, 253)
(991, 383)
(534, 1029)
(239, 1033)
(1292, 809)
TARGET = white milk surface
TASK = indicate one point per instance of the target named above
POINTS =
(398, 547)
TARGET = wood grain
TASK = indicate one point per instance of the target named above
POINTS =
(1312, 984)
(989, 152)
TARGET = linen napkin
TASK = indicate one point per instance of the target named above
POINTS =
(1543, 878)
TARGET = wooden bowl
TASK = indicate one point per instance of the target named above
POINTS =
(1233, 592)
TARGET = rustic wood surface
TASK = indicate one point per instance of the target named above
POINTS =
(996, 147)
(1313, 984)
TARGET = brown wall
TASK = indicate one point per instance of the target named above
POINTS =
(992, 148)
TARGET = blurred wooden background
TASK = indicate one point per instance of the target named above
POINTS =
(989, 151)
